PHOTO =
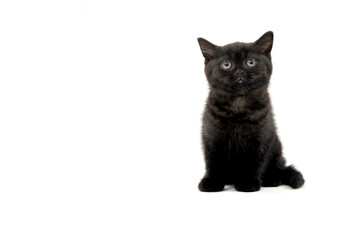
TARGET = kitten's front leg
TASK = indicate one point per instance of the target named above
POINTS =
(249, 176)
(213, 181)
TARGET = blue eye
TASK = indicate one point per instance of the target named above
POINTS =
(251, 62)
(225, 64)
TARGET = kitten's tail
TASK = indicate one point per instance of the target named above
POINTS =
(292, 177)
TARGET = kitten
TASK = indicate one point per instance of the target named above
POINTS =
(239, 137)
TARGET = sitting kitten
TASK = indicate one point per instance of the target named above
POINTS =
(239, 137)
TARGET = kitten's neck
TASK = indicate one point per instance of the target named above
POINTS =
(237, 101)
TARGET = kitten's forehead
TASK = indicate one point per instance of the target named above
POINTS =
(237, 49)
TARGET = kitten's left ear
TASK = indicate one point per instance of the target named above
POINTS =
(264, 44)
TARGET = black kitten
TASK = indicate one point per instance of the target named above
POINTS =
(240, 143)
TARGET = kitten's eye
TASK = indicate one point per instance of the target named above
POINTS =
(251, 62)
(225, 65)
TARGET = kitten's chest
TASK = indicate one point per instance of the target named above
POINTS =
(238, 105)
(238, 122)
(236, 125)
(242, 134)
(244, 131)
(241, 141)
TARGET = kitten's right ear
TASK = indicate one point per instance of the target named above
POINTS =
(207, 48)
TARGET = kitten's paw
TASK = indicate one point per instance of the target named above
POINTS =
(248, 186)
(292, 177)
(296, 180)
(211, 185)
(271, 182)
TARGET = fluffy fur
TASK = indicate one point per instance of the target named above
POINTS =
(239, 137)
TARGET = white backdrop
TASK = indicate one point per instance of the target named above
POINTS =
(100, 110)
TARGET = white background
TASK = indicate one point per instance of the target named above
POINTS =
(100, 114)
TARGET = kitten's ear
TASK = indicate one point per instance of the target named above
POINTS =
(264, 44)
(207, 48)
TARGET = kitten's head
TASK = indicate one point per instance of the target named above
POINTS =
(238, 67)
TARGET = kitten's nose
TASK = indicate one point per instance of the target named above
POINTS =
(239, 72)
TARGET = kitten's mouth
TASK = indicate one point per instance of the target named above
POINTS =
(240, 80)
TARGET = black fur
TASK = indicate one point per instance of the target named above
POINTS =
(239, 137)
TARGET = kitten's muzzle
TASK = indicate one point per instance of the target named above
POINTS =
(239, 73)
